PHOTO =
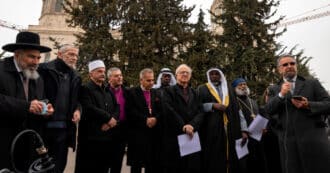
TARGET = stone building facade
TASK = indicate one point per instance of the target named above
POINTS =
(215, 8)
(52, 24)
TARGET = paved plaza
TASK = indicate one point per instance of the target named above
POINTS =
(71, 160)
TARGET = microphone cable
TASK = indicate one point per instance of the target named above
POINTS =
(285, 139)
(42, 165)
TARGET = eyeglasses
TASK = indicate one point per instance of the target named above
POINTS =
(286, 64)
(72, 55)
(149, 80)
(183, 72)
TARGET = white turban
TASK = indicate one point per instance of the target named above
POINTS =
(95, 64)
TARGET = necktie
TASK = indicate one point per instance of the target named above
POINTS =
(185, 94)
(25, 82)
(292, 85)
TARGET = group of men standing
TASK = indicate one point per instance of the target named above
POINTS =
(148, 118)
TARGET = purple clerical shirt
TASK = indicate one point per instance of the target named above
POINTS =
(119, 94)
(147, 97)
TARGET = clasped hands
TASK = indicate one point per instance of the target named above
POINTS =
(219, 107)
(151, 122)
(111, 124)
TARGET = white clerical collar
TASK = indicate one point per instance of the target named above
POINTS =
(143, 89)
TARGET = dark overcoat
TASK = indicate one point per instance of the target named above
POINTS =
(214, 137)
(303, 141)
(14, 108)
(143, 142)
(99, 105)
(51, 76)
(177, 113)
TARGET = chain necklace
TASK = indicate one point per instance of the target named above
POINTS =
(250, 108)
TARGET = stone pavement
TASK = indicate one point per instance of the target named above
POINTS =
(71, 161)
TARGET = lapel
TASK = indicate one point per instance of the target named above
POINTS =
(152, 97)
(154, 100)
(140, 96)
(33, 90)
(54, 74)
(277, 88)
(191, 95)
(299, 85)
(180, 93)
(19, 88)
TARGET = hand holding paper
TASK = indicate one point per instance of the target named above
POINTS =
(188, 144)
(256, 127)
(241, 151)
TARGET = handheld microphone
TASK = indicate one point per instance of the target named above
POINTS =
(290, 80)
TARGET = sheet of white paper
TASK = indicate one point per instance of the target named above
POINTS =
(256, 127)
(189, 145)
(241, 151)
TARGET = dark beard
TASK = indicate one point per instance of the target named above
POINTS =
(165, 84)
(216, 83)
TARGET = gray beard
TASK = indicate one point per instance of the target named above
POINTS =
(240, 92)
(31, 74)
(74, 67)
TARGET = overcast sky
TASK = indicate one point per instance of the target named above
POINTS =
(311, 36)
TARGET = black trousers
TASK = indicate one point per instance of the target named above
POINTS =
(93, 156)
(147, 169)
(56, 141)
(119, 146)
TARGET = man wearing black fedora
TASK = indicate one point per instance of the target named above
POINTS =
(21, 94)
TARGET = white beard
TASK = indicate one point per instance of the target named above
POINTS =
(74, 67)
(71, 65)
(31, 74)
(240, 92)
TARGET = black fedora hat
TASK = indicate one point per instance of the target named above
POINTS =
(26, 40)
